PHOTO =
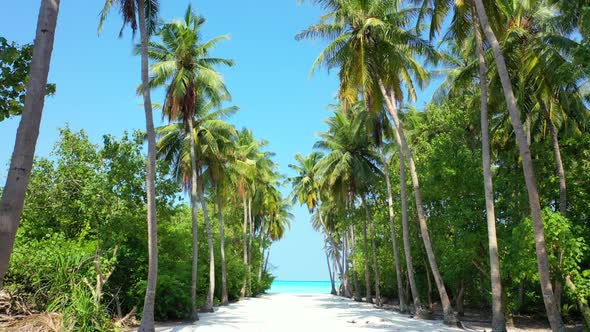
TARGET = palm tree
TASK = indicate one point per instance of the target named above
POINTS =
(176, 145)
(348, 167)
(21, 163)
(529, 174)
(306, 190)
(144, 13)
(183, 61)
(459, 34)
(242, 173)
(376, 53)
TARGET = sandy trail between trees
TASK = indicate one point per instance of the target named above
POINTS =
(304, 313)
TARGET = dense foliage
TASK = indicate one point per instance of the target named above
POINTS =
(497, 162)
(84, 220)
(15, 61)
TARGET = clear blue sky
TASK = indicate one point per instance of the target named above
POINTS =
(96, 79)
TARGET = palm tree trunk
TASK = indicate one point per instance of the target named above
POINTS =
(398, 269)
(346, 272)
(333, 291)
(337, 262)
(211, 291)
(558, 162)
(261, 250)
(335, 274)
(250, 238)
(529, 174)
(147, 320)
(449, 314)
(355, 278)
(369, 296)
(498, 320)
(429, 283)
(17, 180)
(194, 220)
(245, 245)
(374, 254)
(406, 230)
(266, 259)
(224, 296)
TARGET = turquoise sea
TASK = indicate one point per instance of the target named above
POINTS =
(306, 287)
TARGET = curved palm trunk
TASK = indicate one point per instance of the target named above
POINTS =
(211, 291)
(369, 296)
(398, 269)
(147, 320)
(498, 320)
(337, 261)
(194, 222)
(224, 296)
(250, 239)
(345, 276)
(558, 162)
(374, 253)
(562, 192)
(333, 291)
(420, 312)
(355, 278)
(261, 251)
(449, 314)
(17, 180)
(529, 174)
(244, 245)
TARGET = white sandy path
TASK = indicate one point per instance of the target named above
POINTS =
(304, 313)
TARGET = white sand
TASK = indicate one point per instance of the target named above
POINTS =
(304, 313)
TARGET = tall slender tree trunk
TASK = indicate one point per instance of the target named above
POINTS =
(374, 254)
(459, 299)
(250, 239)
(194, 220)
(345, 276)
(17, 180)
(398, 269)
(333, 291)
(211, 291)
(498, 320)
(147, 320)
(558, 162)
(224, 296)
(355, 277)
(429, 283)
(261, 250)
(245, 245)
(418, 308)
(529, 174)
(335, 274)
(266, 260)
(369, 296)
(336, 253)
(449, 314)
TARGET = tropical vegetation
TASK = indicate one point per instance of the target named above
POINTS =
(476, 202)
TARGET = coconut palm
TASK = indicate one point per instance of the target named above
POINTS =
(460, 35)
(144, 14)
(376, 51)
(348, 167)
(242, 173)
(21, 163)
(210, 133)
(529, 173)
(183, 62)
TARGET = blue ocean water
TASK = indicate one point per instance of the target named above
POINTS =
(301, 287)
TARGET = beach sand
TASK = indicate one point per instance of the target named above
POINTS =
(303, 313)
